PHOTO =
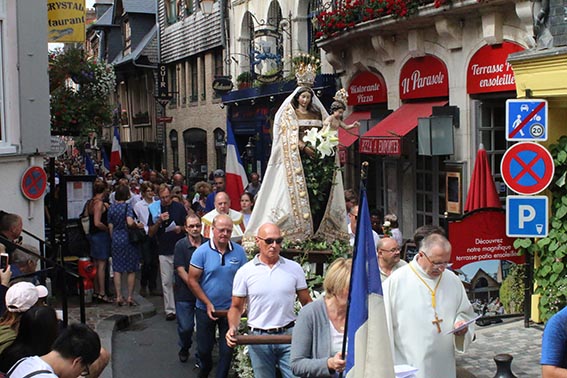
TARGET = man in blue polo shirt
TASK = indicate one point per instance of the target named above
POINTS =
(212, 270)
(554, 346)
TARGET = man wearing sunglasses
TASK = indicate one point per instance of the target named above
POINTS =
(388, 252)
(426, 305)
(268, 284)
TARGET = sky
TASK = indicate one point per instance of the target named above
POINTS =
(489, 266)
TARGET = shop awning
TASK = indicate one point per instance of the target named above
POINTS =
(348, 137)
(385, 138)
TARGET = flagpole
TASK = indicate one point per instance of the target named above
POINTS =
(363, 179)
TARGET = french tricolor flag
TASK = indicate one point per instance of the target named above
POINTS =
(116, 151)
(235, 174)
(369, 348)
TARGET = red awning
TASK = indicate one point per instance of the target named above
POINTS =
(384, 138)
(348, 137)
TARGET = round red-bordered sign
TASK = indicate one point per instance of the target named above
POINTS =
(34, 183)
(527, 168)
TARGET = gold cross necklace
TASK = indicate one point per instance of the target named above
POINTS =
(437, 320)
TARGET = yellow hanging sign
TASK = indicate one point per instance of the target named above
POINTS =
(66, 20)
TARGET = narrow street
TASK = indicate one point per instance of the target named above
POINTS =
(148, 349)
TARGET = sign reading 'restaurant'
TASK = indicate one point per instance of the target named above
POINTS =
(487, 242)
(367, 88)
(424, 77)
(489, 71)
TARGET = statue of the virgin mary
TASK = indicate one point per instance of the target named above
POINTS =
(284, 197)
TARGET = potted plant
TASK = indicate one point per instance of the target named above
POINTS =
(244, 80)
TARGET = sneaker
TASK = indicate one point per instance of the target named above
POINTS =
(170, 317)
(183, 355)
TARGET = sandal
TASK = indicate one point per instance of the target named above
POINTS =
(120, 302)
(100, 298)
(132, 303)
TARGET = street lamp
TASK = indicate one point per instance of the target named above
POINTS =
(206, 6)
(249, 153)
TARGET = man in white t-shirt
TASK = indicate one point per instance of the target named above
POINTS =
(269, 284)
(76, 352)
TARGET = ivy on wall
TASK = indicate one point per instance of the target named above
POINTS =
(551, 275)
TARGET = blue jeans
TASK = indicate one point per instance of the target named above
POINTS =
(185, 312)
(265, 357)
(206, 341)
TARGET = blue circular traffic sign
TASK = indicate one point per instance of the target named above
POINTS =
(34, 183)
(527, 168)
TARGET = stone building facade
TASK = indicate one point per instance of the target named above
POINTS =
(447, 60)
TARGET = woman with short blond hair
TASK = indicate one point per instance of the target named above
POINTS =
(316, 344)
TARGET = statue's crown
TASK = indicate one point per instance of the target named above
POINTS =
(341, 96)
(305, 67)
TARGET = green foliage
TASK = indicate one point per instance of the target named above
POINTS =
(551, 275)
(512, 290)
(79, 89)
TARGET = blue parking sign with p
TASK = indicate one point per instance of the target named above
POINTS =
(526, 120)
(527, 216)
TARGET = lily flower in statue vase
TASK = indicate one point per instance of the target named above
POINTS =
(323, 142)
(312, 136)
(329, 141)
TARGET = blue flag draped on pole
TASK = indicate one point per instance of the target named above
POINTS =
(89, 165)
(369, 353)
(105, 160)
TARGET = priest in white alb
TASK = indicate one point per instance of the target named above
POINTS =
(424, 304)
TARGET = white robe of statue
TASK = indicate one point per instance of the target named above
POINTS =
(409, 312)
(283, 197)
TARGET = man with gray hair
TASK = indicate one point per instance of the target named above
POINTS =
(425, 287)
(23, 263)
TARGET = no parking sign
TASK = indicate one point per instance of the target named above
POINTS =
(34, 183)
(527, 168)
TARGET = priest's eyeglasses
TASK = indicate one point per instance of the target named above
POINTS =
(436, 264)
(393, 250)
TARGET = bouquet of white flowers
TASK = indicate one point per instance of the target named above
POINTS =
(319, 168)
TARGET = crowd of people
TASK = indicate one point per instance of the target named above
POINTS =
(33, 340)
(192, 239)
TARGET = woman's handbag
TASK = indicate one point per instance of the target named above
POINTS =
(135, 235)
